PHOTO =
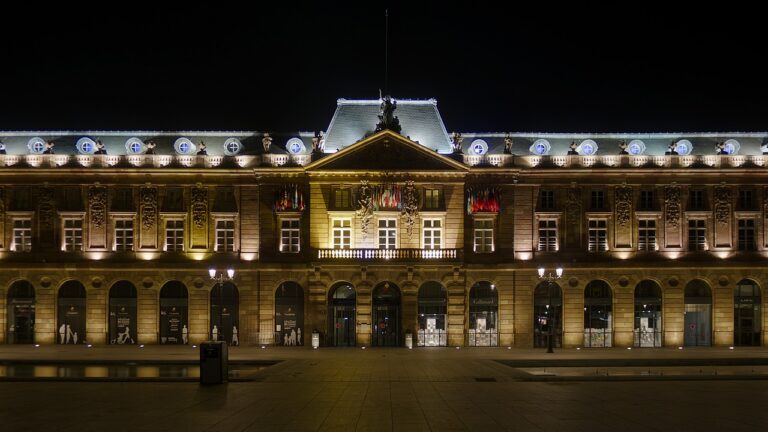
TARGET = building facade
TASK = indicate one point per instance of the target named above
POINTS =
(384, 226)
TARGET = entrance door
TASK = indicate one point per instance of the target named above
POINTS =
(547, 315)
(341, 315)
(21, 313)
(432, 314)
(71, 313)
(386, 315)
(122, 314)
(225, 313)
(698, 314)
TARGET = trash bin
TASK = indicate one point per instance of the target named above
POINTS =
(213, 362)
(315, 340)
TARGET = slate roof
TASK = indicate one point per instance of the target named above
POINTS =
(356, 119)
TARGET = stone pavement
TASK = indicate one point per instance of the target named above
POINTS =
(381, 390)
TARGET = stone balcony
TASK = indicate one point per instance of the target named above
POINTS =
(389, 254)
(616, 161)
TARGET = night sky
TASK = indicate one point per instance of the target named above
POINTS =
(582, 69)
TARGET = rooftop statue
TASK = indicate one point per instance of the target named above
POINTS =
(387, 118)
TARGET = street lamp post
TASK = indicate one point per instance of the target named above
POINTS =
(220, 278)
(550, 279)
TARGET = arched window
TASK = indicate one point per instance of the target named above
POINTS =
(122, 314)
(21, 313)
(225, 313)
(647, 314)
(698, 314)
(341, 315)
(174, 305)
(71, 310)
(483, 315)
(547, 314)
(289, 315)
(747, 307)
(433, 311)
(385, 315)
(598, 315)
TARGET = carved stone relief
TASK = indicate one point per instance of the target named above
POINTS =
(410, 209)
(572, 206)
(148, 207)
(672, 205)
(46, 207)
(623, 205)
(364, 207)
(722, 204)
(97, 205)
(199, 207)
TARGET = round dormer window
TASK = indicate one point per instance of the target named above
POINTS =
(683, 147)
(86, 145)
(232, 146)
(184, 146)
(587, 148)
(295, 146)
(478, 147)
(636, 147)
(731, 147)
(36, 145)
(540, 147)
(134, 146)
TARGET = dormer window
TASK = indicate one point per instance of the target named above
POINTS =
(479, 147)
(36, 145)
(295, 146)
(134, 146)
(184, 146)
(232, 146)
(86, 146)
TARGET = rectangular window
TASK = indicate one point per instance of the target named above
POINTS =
(174, 236)
(225, 236)
(387, 233)
(697, 235)
(696, 199)
(547, 236)
(745, 200)
(432, 233)
(73, 235)
(22, 235)
(342, 198)
(746, 234)
(647, 200)
(646, 235)
(598, 200)
(432, 199)
(598, 235)
(483, 236)
(546, 200)
(342, 234)
(290, 236)
(124, 235)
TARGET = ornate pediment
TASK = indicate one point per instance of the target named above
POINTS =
(386, 151)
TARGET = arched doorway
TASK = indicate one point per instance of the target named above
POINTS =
(547, 314)
(698, 314)
(433, 310)
(289, 314)
(341, 314)
(386, 315)
(225, 313)
(483, 315)
(598, 315)
(648, 314)
(70, 321)
(122, 313)
(174, 305)
(21, 313)
(746, 313)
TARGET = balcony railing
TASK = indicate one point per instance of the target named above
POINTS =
(389, 254)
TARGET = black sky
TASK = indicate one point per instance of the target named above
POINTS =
(587, 68)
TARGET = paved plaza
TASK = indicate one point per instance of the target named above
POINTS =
(386, 389)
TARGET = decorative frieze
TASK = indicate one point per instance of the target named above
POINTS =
(672, 205)
(623, 205)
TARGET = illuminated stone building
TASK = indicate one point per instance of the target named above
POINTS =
(385, 225)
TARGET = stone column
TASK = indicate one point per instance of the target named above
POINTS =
(673, 308)
(623, 316)
(96, 315)
(573, 313)
(723, 314)
(147, 314)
